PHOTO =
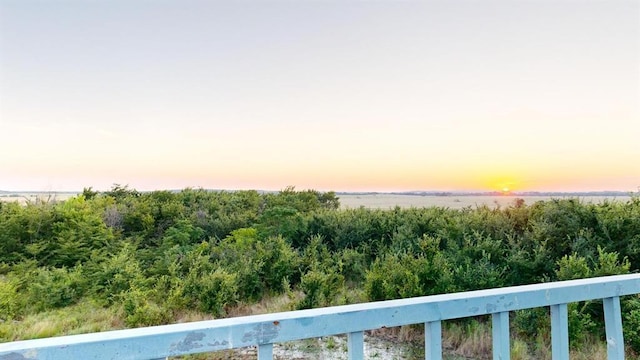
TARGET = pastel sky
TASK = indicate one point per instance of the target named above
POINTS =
(329, 95)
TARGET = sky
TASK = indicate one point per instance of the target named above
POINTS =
(539, 95)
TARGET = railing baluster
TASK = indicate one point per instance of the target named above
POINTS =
(500, 329)
(613, 326)
(265, 352)
(433, 340)
(559, 332)
(355, 343)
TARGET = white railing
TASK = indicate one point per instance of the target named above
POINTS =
(262, 331)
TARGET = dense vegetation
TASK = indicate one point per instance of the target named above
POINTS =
(149, 257)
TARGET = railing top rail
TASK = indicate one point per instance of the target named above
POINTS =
(213, 335)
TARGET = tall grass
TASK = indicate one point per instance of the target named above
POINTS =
(81, 318)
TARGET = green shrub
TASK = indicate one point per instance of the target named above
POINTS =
(529, 323)
(116, 274)
(405, 275)
(478, 274)
(352, 265)
(139, 310)
(53, 288)
(8, 299)
(320, 288)
(261, 265)
(582, 323)
(211, 292)
(631, 321)
(278, 262)
(572, 267)
(608, 264)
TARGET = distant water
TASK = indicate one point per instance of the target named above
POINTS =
(386, 201)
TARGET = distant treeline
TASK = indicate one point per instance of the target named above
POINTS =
(150, 256)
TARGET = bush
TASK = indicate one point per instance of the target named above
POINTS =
(139, 310)
(211, 292)
(532, 322)
(8, 299)
(352, 265)
(572, 267)
(116, 274)
(47, 289)
(478, 274)
(582, 323)
(631, 321)
(320, 288)
(404, 275)
(261, 265)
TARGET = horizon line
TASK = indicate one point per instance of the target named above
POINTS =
(406, 192)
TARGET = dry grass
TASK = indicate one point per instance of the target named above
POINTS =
(77, 319)
(590, 350)
(186, 316)
(468, 339)
(268, 304)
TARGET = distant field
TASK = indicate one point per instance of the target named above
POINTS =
(386, 201)
(370, 201)
(24, 198)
